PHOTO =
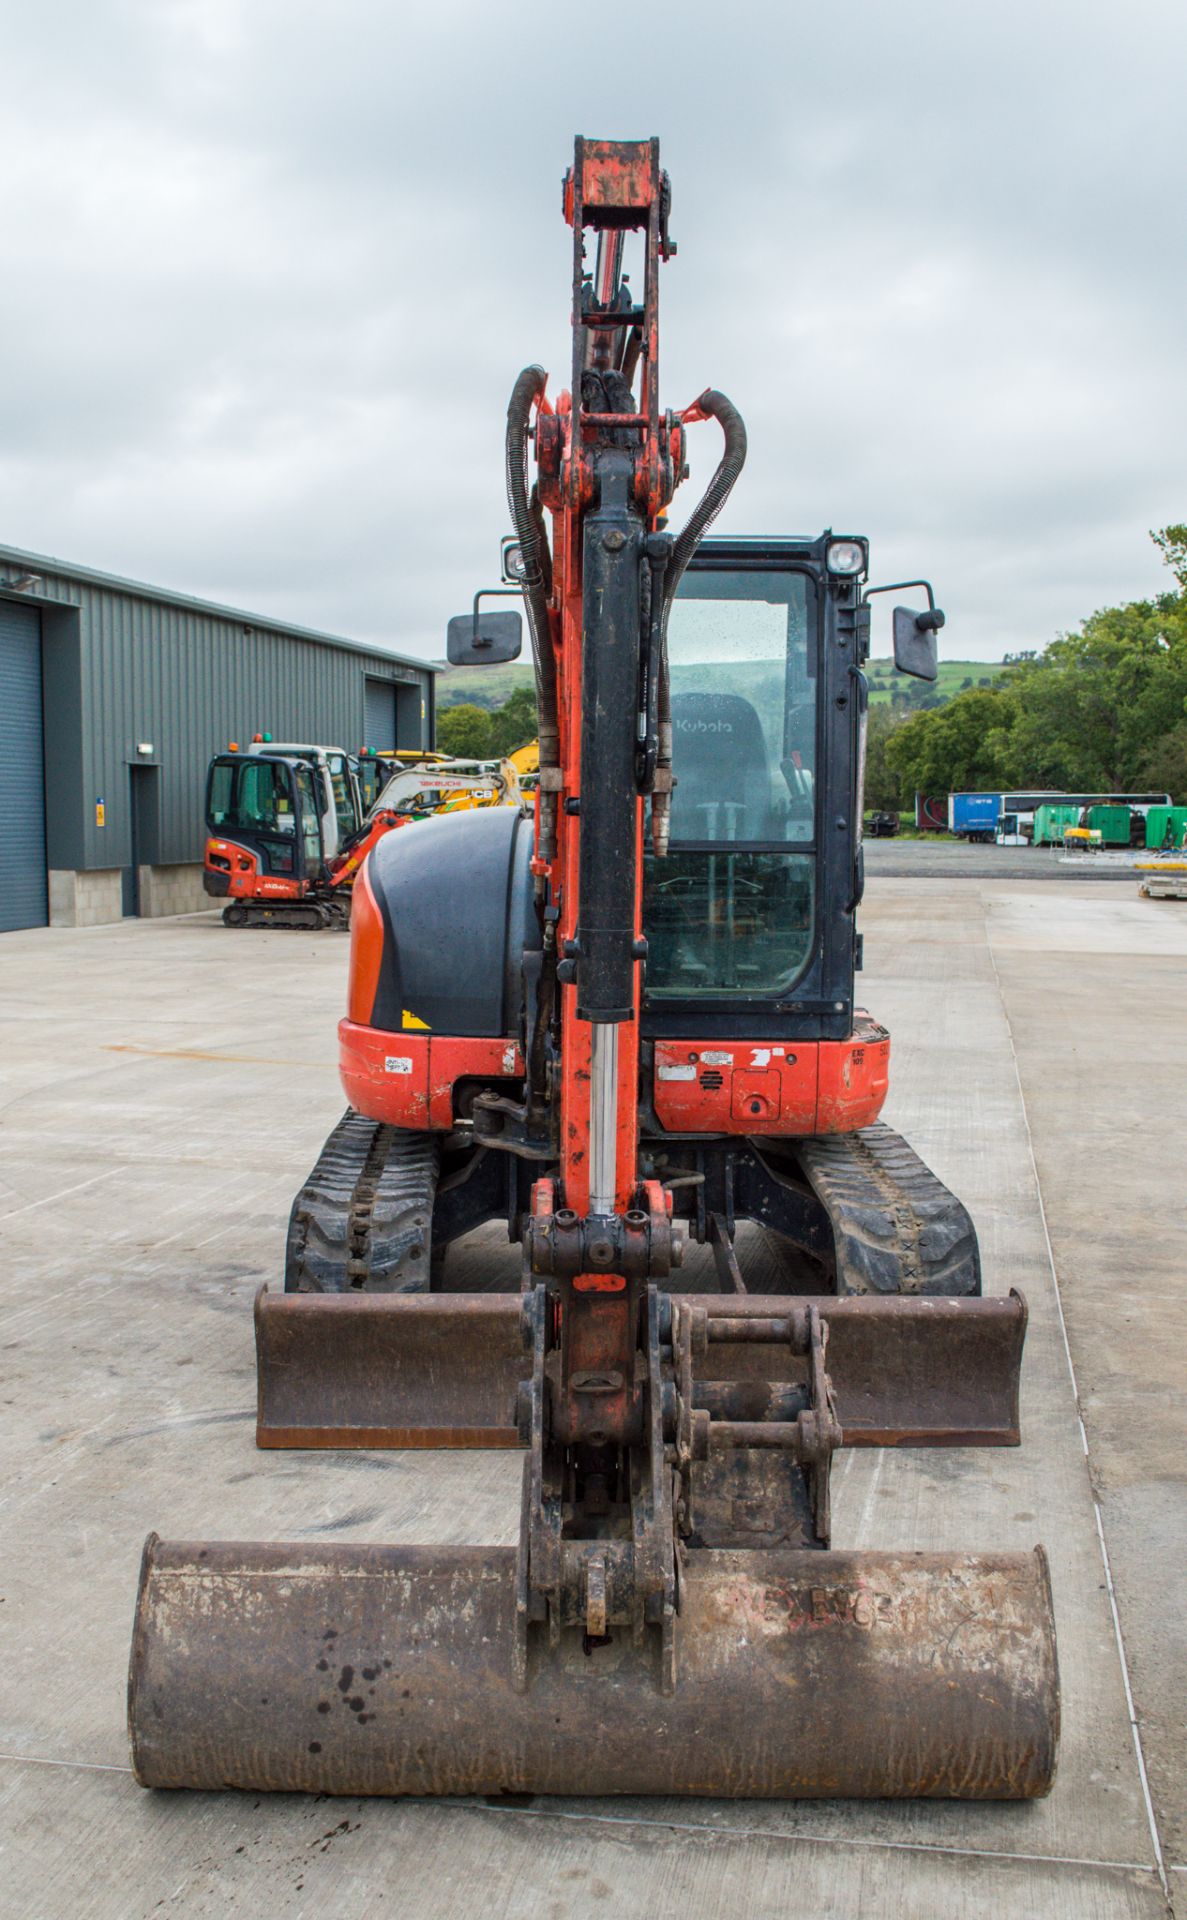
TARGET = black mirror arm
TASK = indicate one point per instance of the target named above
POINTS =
(932, 620)
(492, 593)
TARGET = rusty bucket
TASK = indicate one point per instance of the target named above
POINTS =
(389, 1670)
(443, 1370)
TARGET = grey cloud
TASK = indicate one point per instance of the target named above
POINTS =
(270, 270)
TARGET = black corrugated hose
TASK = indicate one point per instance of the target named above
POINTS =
(718, 491)
(733, 459)
(528, 518)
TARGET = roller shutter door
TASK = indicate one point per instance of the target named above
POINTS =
(24, 898)
(379, 714)
(409, 716)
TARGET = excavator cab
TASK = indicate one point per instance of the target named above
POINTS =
(730, 910)
(264, 826)
(336, 785)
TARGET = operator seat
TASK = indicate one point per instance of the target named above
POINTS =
(723, 776)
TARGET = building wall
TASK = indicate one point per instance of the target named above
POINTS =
(123, 668)
(79, 898)
(165, 890)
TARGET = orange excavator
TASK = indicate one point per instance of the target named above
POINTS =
(266, 851)
(646, 1035)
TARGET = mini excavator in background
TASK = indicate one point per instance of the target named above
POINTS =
(630, 1026)
(267, 854)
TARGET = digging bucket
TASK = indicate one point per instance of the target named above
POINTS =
(355, 1669)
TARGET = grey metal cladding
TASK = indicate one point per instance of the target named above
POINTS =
(184, 678)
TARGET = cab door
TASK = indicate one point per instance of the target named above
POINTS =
(309, 821)
(348, 810)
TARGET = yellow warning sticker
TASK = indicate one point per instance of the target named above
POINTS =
(411, 1022)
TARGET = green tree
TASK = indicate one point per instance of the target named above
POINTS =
(1104, 708)
(1097, 703)
(465, 732)
(883, 791)
(959, 746)
(1164, 769)
(514, 723)
(1172, 545)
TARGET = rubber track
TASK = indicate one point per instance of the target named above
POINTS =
(896, 1228)
(315, 917)
(363, 1219)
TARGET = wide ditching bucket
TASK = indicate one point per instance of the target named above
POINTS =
(748, 1658)
(389, 1670)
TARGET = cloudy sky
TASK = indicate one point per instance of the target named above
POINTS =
(268, 269)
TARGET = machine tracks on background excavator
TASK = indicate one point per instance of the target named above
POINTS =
(363, 1219)
(896, 1227)
(306, 916)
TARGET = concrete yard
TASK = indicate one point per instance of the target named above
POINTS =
(166, 1085)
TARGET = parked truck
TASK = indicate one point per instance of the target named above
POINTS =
(974, 816)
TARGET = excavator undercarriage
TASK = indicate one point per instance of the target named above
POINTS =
(848, 1213)
(629, 1030)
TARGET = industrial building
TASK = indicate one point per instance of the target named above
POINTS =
(114, 696)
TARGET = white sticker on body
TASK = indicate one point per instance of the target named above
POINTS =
(397, 1063)
(718, 1059)
(677, 1073)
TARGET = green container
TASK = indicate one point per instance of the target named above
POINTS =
(1112, 823)
(1157, 821)
(1050, 822)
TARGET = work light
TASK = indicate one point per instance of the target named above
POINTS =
(846, 556)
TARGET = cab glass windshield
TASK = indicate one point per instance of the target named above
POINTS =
(730, 911)
(741, 662)
(344, 801)
(250, 793)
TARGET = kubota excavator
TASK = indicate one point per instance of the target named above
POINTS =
(634, 1025)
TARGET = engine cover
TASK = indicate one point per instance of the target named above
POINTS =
(455, 911)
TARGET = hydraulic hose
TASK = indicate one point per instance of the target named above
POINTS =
(528, 518)
(716, 406)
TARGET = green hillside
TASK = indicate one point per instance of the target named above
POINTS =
(954, 675)
(481, 686)
(491, 686)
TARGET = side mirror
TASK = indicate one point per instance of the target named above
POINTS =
(484, 639)
(915, 649)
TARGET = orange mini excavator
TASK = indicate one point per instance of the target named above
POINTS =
(267, 856)
(631, 1027)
